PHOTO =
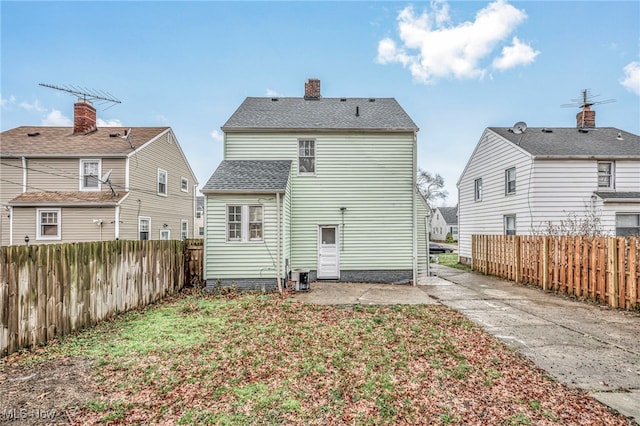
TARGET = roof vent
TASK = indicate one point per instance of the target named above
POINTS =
(274, 99)
(619, 137)
(372, 99)
(581, 130)
(343, 99)
(33, 134)
(114, 134)
(357, 111)
(545, 130)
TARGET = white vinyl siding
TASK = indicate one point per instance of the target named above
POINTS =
(369, 174)
(49, 224)
(491, 157)
(90, 173)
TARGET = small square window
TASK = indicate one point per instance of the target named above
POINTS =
(165, 234)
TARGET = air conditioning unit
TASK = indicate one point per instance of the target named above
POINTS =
(300, 279)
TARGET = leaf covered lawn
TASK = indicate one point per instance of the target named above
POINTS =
(264, 359)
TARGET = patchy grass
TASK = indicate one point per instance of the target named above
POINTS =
(263, 359)
(451, 260)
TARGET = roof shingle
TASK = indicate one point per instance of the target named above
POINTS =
(249, 176)
(67, 198)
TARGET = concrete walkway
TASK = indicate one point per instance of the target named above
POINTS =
(580, 344)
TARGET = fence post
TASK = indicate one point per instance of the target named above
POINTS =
(545, 263)
(612, 261)
(517, 258)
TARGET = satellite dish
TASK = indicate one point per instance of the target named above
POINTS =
(519, 127)
(106, 176)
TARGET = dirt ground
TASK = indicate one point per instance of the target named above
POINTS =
(48, 395)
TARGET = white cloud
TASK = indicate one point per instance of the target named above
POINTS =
(114, 122)
(432, 48)
(273, 94)
(516, 54)
(631, 79)
(55, 118)
(5, 102)
(216, 136)
(161, 119)
(35, 106)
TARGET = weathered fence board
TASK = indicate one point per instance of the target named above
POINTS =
(605, 270)
(51, 290)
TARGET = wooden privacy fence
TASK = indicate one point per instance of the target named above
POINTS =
(603, 269)
(193, 254)
(51, 290)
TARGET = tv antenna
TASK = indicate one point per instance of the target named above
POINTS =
(93, 95)
(106, 178)
(586, 101)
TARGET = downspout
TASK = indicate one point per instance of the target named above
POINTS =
(116, 221)
(414, 213)
(10, 225)
(278, 242)
(426, 240)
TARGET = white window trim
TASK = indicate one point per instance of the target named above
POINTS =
(477, 195)
(515, 225)
(166, 183)
(184, 227)
(81, 174)
(506, 181)
(244, 224)
(612, 180)
(140, 219)
(165, 231)
(186, 182)
(39, 235)
(315, 157)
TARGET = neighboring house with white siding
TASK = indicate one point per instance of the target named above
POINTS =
(326, 185)
(517, 182)
(199, 221)
(444, 220)
(88, 183)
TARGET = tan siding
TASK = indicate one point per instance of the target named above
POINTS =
(53, 174)
(143, 199)
(10, 187)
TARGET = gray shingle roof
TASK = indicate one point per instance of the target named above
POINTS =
(249, 176)
(384, 114)
(621, 196)
(570, 142)
(449, 214)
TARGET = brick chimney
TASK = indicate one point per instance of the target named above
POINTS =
(312, 89)
(84, 117)
(586, 119)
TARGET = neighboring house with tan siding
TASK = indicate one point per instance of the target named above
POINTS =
(88, 183)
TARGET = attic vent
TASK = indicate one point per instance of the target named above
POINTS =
(372, 99)
(583, 130)
(33, 134)
(274, 99)
(114, 134)
(545, 130)
(343, 99)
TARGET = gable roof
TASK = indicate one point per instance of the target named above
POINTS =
(249, 176)
(61, 142)
(569, 142)
(449, 214)
(381, 114)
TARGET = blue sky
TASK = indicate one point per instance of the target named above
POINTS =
(456, 67)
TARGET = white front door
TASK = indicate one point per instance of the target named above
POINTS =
(328, 253)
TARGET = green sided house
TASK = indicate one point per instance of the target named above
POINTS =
(324, 185)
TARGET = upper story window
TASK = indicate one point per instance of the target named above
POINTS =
(306, 157)
(198, 214)
(605, 174)
(627, 225)
(477, 189)
(244, 223)
(510, 225)
(48, 224)
(162, 182)
(184, 184)
(510, 181)
(90, 175)
(144, 226)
